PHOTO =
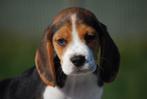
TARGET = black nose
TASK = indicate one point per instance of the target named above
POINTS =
(78, 60)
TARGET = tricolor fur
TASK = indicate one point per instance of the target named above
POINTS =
(75, 58)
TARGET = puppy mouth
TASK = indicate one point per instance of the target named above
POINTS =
(82, 71)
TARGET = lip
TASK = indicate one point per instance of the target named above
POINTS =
(79, 70)
(82, 71)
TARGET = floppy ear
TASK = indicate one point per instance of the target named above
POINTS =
(44, 60)
(109, 58)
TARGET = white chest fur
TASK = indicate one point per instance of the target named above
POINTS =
(76, 87)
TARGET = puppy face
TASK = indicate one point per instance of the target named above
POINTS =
(70, 46)
(76, 44)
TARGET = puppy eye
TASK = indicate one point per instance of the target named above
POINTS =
(61, 42)
(90, 37)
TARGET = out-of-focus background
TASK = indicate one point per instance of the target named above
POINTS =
(22, 23)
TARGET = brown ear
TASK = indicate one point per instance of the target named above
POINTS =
(109, 58)
(44, 61)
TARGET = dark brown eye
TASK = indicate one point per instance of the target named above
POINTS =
(61, 42)
(90, 37)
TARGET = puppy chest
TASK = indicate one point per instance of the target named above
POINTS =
(76, 88)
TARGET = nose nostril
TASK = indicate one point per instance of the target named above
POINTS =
(78, 60)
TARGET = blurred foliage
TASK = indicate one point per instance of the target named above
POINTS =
(17, 55)
(131, 82)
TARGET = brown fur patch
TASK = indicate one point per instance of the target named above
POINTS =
(42, 74)
(84, 30)
(63, 33)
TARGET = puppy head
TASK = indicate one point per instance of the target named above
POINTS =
(75, 43)
(75, 37)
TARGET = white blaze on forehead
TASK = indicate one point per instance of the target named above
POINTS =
(76, 47)
(74, 31)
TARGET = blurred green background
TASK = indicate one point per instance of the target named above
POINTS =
(22, 23)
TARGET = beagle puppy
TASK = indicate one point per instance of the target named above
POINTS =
(75, 58)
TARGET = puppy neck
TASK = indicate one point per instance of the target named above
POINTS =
(74, 80)
(76, 87)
